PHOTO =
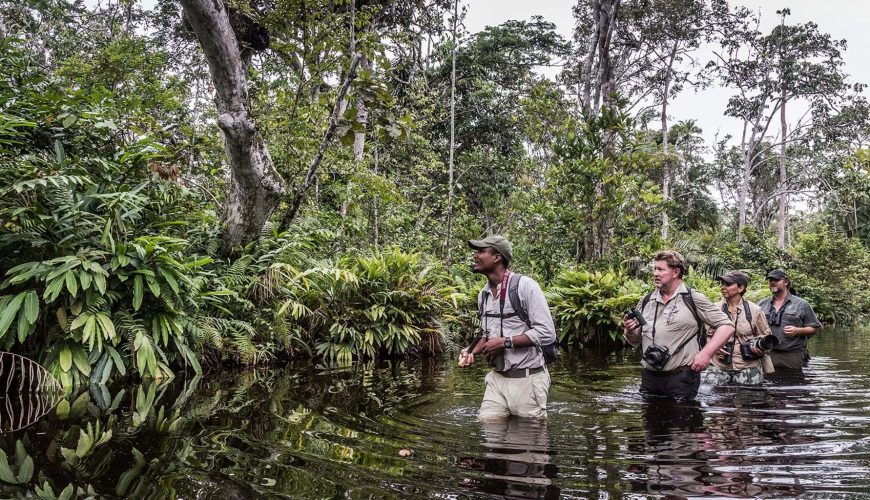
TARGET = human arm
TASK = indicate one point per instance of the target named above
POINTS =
(541, 331)
(631, 329)
(717, 321)
(794, 331)
(811, 324)
(466, 355)
(720, 337)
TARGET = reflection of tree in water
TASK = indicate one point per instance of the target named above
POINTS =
(233, 437)
(27, 392)
(516, 463)
(716, 451)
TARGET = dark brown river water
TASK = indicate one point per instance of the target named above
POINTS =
(327, 432)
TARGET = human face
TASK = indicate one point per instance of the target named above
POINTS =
(666, 278)
(777, 286)
(485, 260)
(730, 290)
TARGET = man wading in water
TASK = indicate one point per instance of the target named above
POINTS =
(669, 324)
(519, 381)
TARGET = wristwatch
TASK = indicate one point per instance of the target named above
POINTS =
(508, 343)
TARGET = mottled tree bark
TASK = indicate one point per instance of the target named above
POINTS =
(255, 187)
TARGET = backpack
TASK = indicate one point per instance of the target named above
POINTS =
(690, 301)
(550, 351)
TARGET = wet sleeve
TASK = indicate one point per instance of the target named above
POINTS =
(709, 313)
(809, 316)
(542, 331)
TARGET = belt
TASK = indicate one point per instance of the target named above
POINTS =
(520, 372)
(664, 373)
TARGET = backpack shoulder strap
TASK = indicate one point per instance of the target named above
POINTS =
(481, 303)
(690, 301)
(747, 312)
(645, 302)
(514, 294)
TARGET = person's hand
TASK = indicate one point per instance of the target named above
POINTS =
(701, 361)
(722, 353)
(790, 331)
(493, 347)
(757, 350)
(629, 324)
(465, 358)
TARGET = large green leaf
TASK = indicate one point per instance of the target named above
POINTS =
(72, 284)
(65, 357)
(138, 289)
(31, 306)
(81, 361)
(9, 312)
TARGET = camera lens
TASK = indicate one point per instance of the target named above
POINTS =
(768, 342)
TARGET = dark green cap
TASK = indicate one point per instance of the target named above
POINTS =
(497, 242)
(777, 274)
(734, 277)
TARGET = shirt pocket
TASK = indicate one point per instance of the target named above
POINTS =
(791, 316)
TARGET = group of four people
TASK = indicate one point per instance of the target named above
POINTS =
(681, 332)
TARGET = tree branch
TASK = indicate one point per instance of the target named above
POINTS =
(324, 143)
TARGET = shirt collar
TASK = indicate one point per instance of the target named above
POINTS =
(657, 294)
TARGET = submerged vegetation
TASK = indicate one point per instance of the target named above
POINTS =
(117, 193)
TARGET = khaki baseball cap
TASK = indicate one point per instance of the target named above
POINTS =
(497, 242)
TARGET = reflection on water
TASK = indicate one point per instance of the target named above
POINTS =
(516, 463)
(325, 432)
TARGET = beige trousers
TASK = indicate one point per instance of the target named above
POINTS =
(524, 397)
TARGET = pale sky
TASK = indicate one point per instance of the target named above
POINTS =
(843, 19)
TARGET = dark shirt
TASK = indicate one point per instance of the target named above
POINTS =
(795, 312)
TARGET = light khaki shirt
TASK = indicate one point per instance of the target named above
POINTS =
(674, 323)
(542, 331)
(745, 331)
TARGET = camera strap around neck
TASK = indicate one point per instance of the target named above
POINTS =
(653, 332)
(501, 298)
(503, 290)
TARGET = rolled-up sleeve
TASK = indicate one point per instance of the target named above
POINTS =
(542, 331)
(809, 316)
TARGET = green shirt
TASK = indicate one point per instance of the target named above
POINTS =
(794, 312)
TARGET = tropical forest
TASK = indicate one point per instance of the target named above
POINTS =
(234, 240)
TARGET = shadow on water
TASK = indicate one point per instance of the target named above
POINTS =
(409, 429)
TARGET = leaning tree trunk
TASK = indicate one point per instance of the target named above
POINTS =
(255, 188)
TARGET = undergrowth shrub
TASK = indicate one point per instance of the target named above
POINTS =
(587, 306)
(384, 304)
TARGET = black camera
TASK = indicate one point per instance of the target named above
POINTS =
(729, 349)
(765, 343)
(635, 315)
(657, 356)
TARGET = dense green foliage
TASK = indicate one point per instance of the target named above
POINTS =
(114, 182)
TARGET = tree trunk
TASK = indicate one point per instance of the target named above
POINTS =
(666, 162)
(586, 75)
(747, 171)
(255, 187)
(324, 143)
(782, 213)
(362, 116)
(606, 27)
(452, 141)
(375, 214)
